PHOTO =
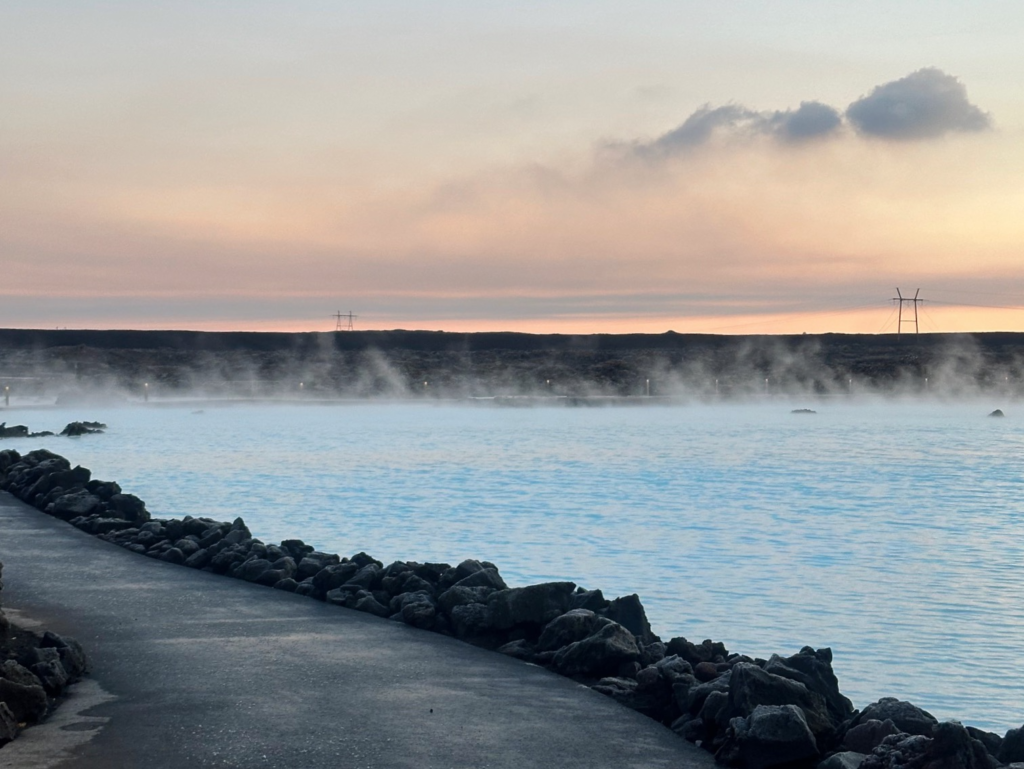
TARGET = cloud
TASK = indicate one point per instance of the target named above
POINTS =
(923, 105)
(811, 120)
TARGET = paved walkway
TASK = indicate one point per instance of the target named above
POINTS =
(195, 670)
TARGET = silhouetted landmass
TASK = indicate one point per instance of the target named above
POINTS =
(432, 363)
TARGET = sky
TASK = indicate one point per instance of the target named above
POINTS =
(740, 167)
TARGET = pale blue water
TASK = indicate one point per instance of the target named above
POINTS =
(893, 533)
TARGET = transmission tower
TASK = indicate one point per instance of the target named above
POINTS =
(915, 300)
(345, 321)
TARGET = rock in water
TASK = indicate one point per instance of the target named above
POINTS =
(997, 413)
(82, 428)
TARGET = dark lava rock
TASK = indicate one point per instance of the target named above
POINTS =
(952, 747)
(75, 504)
(813, 668)
(573, 626)
(868, 735)
(1012, 748)
(600, 654)
(706, 651)
(772, 735)
(129, 507)
(27, 703)
(997, 413)
(82, 428)
(629, 612)
(534, 604)
(8, 725)
(907, 717)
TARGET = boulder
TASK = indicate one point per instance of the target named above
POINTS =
(629, 612)
(371, 605)
(706, 651)
(588, 599)
(907, 717)
(848, 759)
(8, 724)
(772, 735)
(129, 507)
(573, 626)
(993, 742)
(51, 674)
(598, 655)
(471, 620)
(813, 668)
(532, 605)
(750, 687)
(1012, 748)
(950, 748)
(868, 735)
(519, 649)
(483, 578)
(420, 612)
(27, 703)
(334, 576)
(11, 670)
(460, 596)
(312, 563)
(72, 505)
(73, 429)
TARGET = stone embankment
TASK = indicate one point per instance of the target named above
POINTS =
(35, 672)
(754, 713)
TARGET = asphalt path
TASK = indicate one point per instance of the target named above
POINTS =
(190, 669)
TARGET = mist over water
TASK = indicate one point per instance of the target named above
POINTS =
(888, 530)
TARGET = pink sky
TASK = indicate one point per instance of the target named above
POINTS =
(573, 169)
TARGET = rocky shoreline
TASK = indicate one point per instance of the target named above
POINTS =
(35, 672)
(755, 713)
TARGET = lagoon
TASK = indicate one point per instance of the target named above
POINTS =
(888, 530)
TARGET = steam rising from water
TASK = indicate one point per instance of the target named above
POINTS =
(702, 368)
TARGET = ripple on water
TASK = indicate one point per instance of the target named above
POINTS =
(890, 532)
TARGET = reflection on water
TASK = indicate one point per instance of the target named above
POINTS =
(890, 532)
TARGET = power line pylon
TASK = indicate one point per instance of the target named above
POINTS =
(345, 322)
(915, 301)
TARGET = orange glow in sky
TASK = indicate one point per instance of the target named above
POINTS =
(580, 168)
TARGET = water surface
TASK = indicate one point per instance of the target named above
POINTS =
(890, 532)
